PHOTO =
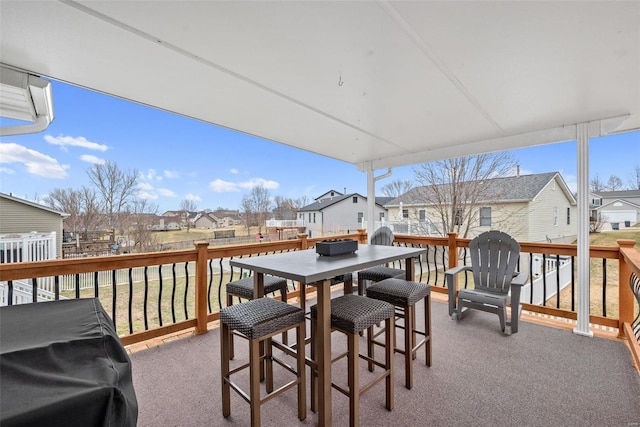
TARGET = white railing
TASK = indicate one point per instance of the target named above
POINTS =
(22, 293)
(27, 247)
(285, 223)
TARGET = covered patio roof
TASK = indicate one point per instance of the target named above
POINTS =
(375, 83)
(378, 84)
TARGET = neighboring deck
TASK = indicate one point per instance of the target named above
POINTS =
(541, 376)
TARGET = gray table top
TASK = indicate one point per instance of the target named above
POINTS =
(308, 267)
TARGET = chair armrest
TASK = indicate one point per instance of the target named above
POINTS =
(450, 276)
(519, 279)
(455, 270)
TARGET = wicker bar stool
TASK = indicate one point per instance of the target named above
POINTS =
(404, 295)
(351, 314)
(259, 320)
(243, 289)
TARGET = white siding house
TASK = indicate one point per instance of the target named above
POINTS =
(336, 213)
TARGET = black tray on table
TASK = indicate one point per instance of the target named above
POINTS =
(336, 247)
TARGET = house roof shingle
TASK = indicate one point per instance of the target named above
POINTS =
(504, 189)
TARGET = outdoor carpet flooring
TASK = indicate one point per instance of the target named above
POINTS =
(540, 376)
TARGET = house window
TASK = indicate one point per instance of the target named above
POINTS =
(405, 213)
(485, 217)
(568, 216)
(314, 217)
(458, 217)
(422, 215)
(301, 216)
(360, 217)
(355, 199)
(555, 215)
(381, 216)
(309, 216)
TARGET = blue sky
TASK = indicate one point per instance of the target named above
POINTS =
(180, 158)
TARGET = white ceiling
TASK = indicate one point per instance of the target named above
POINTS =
(376, 84)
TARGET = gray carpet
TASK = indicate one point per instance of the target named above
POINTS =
(538, 377)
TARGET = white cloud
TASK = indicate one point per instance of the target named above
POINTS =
(69, 141)
(92, 159)
(234, 171)
(152, 175)
(220, 186)
(270, 185)
(145, 186)
(193, 197)
(35, 162)
(8, 171)
(171, 174)
(147, 195)
(166, 192)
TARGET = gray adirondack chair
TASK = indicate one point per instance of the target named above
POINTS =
(382, 236)
(494, 258)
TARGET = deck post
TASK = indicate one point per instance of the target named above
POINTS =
(201, 287)
(304, 243)
(625, 296)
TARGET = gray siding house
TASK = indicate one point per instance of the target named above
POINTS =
(19, 216)
(621, 207)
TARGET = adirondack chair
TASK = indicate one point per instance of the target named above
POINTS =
(382, 236)
(494, 257)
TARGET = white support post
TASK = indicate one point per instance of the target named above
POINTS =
(371, 202)
(584, 279)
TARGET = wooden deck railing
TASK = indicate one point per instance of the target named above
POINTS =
(187, 286)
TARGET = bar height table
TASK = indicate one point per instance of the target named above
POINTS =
(307, 267)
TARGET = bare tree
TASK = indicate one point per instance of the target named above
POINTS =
(187, 206)
(455, 187)
(256, 206)
(596, 185)
(634, 181)
(116, 188)
(614, 183)
(247, 211)
(140, 217)
(396, 188)
(81, 205)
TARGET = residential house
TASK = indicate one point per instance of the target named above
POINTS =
(533, 208)
(21, 217)
(206, 220)
(335, 213)
(616, 207)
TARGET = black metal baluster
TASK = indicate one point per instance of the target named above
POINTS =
(160, 295)
(56, 287)
(144, 302)
(604, 287)
(173, 294)
(10, 292)
(77, 285)
(186, 289)
(220, 285)
(464, 262)
(210, 284)
(95, 284)
(34, 290)
(531, 278)
(114, 298)
(428, 265)
(130, 300)
(444, 253)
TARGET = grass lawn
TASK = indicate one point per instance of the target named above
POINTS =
(607, 238)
